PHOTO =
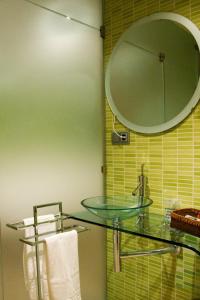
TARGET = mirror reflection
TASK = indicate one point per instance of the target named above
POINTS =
(153, 73)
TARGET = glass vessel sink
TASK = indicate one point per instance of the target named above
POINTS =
(116, 207)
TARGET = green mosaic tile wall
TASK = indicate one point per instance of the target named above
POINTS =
(172, 164)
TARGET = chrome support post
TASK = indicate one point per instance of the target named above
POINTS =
(171, 249)
(118, 254)
(39, 288)
(116, 250)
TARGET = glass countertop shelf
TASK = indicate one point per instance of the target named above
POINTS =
(152, 226)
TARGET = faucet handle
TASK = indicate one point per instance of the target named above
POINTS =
(135, 190)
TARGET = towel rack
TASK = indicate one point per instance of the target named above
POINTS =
(37, 238)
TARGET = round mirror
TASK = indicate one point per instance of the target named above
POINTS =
(152, 79)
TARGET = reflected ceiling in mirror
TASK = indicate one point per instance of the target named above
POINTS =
(152, 79)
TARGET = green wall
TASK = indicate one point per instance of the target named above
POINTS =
(51, 128)
(172, 164)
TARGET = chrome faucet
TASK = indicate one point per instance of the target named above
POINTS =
(142, 184)
(142, 190)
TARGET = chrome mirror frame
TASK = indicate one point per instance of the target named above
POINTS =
(193, 29)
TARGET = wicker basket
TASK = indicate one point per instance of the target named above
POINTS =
(179, 221)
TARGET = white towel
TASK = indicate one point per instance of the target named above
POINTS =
(62, 263)
(29, 259)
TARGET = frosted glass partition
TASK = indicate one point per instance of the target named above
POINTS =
(51, 126)
(87, 11)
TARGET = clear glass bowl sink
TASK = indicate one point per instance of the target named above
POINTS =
(116, 207)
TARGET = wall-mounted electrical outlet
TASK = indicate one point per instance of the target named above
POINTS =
(120, 138)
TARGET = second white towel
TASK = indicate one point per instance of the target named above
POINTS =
(62, 264)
